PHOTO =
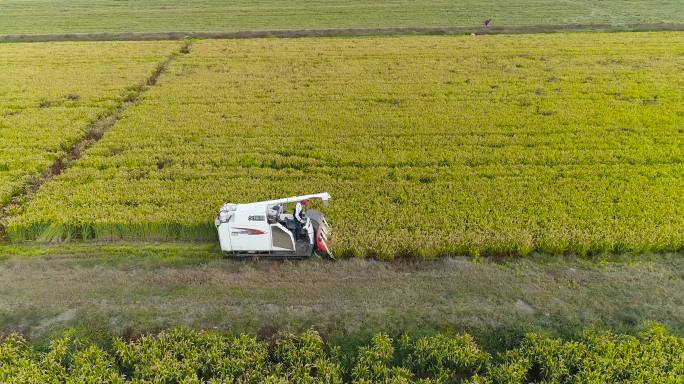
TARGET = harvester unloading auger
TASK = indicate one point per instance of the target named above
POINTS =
(264, 229)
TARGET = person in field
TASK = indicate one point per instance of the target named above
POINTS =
(300, 216)
(487, 22)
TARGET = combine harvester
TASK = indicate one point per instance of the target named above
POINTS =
(263, 229)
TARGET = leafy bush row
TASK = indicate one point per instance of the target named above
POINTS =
(187, 356)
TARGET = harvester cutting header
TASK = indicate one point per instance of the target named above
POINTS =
(264, 229)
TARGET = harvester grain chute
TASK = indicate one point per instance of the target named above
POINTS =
(264, 229)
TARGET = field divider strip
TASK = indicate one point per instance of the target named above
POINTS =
(334, 32)
(93, 133)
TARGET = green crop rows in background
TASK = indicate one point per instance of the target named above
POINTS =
(92, 16)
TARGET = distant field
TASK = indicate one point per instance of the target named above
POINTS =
(49, 93)
(92, 16)
(428, 145)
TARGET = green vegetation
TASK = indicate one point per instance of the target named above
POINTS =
(116, 253)
(51, 93)
(87, 16)
(428, 145)
(181, 356)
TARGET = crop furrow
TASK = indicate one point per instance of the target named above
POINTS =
(92, 135)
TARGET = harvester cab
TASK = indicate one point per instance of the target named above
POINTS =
(265, 229)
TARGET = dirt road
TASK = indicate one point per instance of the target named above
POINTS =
(104, 293)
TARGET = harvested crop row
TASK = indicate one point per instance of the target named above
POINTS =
(50, 93)
(428, 145)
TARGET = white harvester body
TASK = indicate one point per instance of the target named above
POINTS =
(263, 229)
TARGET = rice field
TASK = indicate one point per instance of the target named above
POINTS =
(50, 93)
(89, 16)
(564, 143)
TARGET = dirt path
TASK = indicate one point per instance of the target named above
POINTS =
(497, 302)
(177, 35)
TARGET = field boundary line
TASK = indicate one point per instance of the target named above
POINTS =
(334, 32)
(93, 133)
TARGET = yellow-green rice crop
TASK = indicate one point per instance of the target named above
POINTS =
(428, 145)
(49, 93)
